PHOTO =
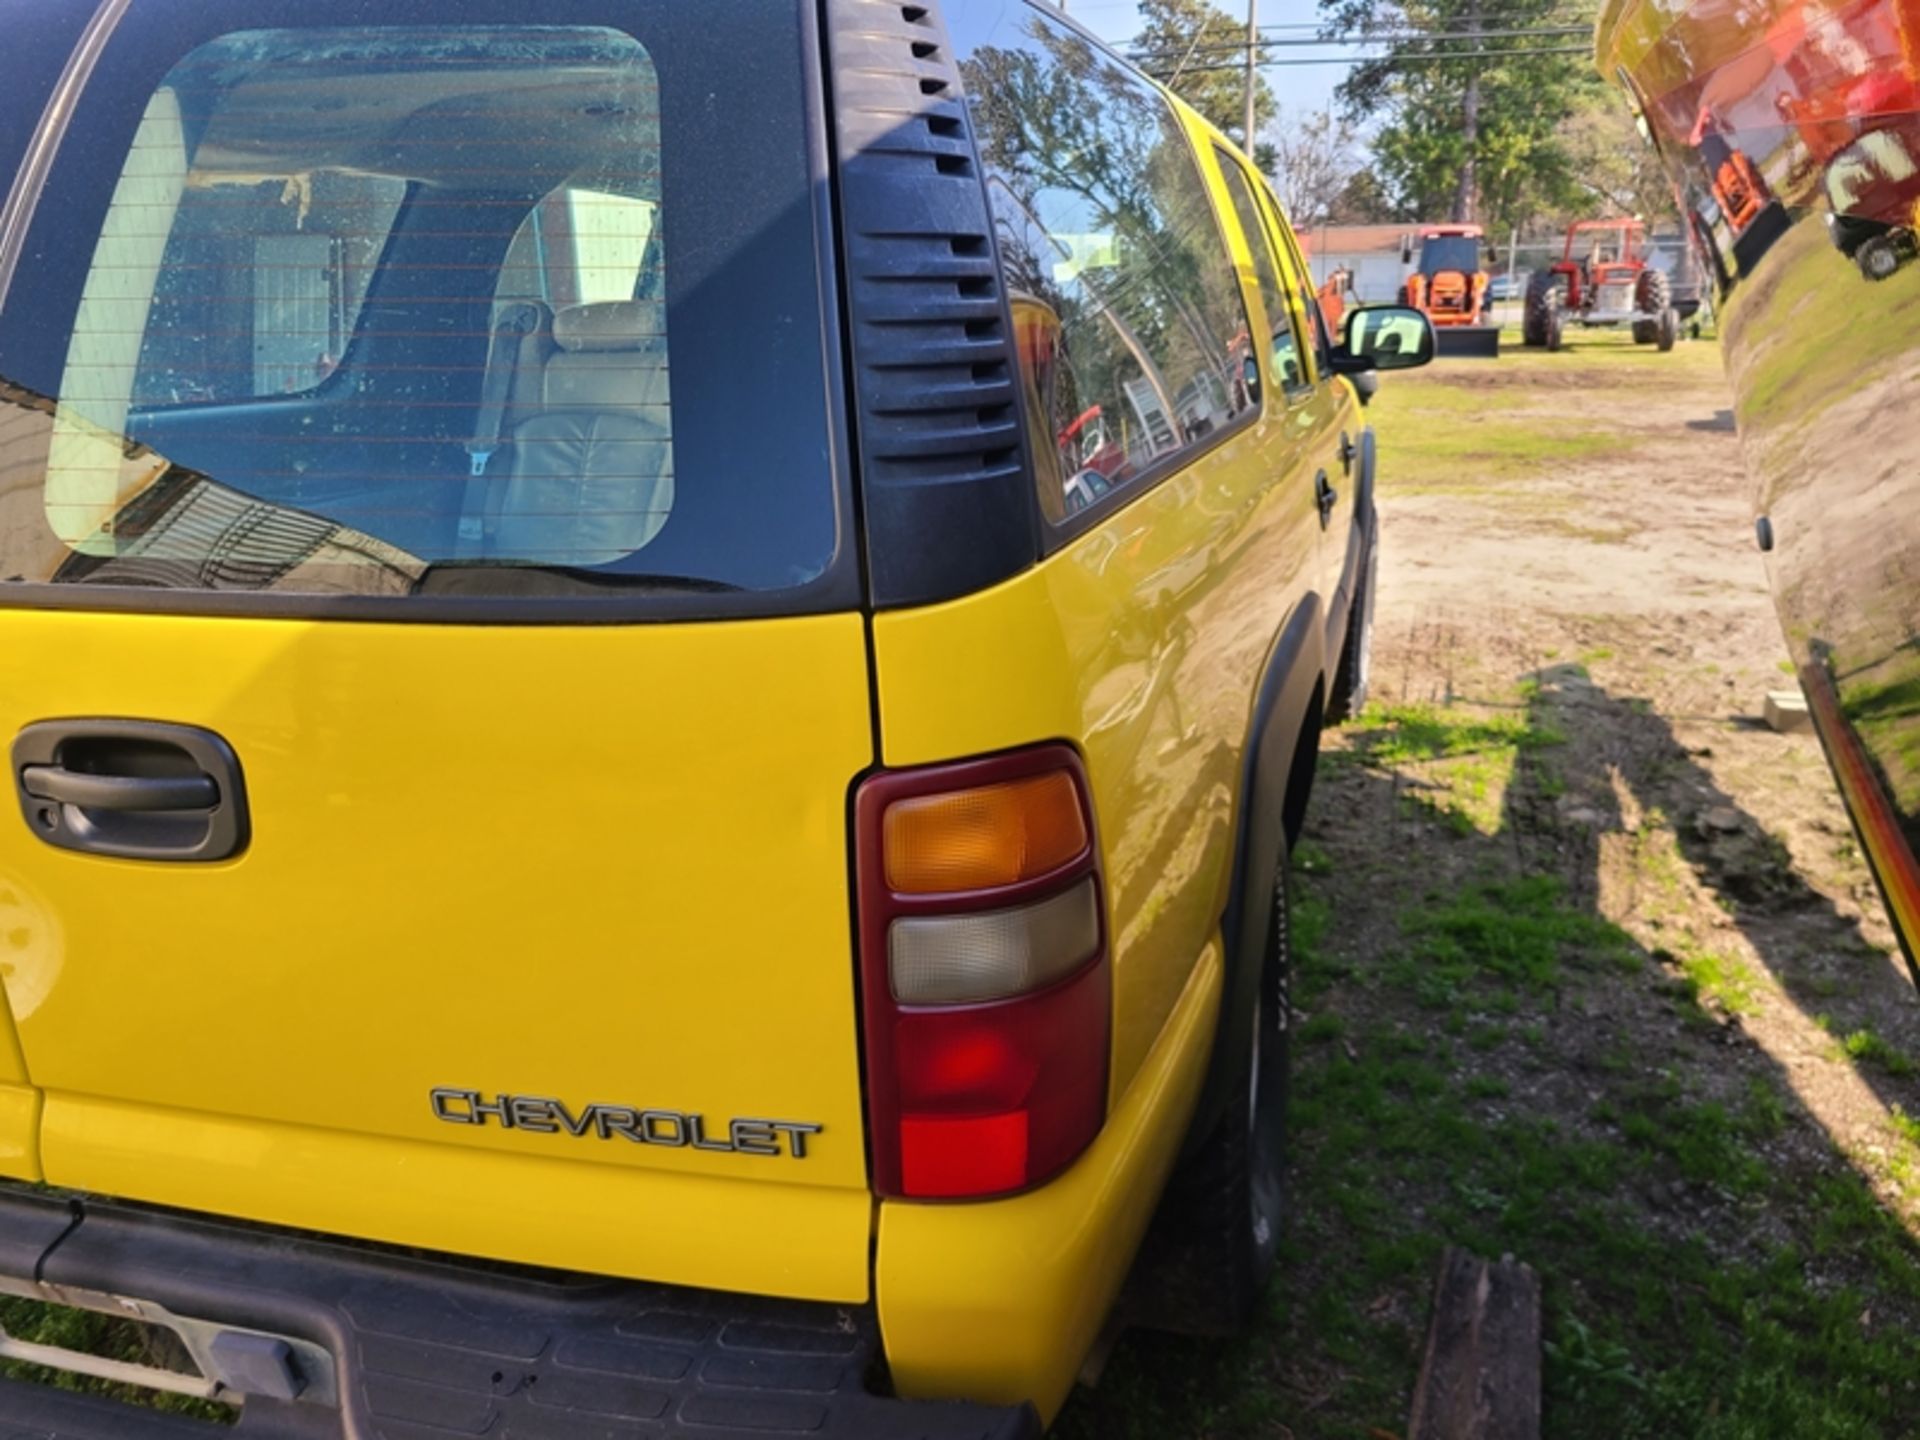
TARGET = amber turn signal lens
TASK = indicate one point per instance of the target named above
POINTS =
(977, 839)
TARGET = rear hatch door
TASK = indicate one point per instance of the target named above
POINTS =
(424, 436)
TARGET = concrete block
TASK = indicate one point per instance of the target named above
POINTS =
(1787, 712)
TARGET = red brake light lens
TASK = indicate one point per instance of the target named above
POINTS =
(986, 1008)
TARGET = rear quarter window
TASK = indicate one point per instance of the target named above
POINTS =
(1131, 329)
(465, 307)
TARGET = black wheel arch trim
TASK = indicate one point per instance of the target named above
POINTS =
(1360, 542)
(1272, 802)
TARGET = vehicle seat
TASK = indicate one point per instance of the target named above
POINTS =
(589, 461)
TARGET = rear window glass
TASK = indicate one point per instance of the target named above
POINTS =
(398, 310)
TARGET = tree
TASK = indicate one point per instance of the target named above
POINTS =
(1613, 162)
(1477, 134)
(1197, 50)
(1313, 162)
(1363, 200)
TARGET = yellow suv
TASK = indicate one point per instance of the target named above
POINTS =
(667, 642)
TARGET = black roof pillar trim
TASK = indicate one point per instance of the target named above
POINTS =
(949, 505)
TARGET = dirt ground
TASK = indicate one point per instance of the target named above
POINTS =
(1589, 970)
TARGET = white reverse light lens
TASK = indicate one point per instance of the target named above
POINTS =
(956, 959)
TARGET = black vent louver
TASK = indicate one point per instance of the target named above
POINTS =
(949, 507)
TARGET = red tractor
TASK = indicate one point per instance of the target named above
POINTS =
(1611, 283)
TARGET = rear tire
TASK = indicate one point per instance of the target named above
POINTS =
(1653, 297)
(1545, 291)
(1208, 1257)
(1554, 323)
(1356, 653)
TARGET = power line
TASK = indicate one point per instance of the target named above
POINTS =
(1495, 14)
(1390, 61)
(1397, 38)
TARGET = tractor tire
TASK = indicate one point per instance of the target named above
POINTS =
(1554, 320)
(1210, 1250)
(1667, 330)
(1878, 258)
(1544, 290)
(1652, 296)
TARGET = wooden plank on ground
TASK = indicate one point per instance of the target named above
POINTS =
(1480, 1376)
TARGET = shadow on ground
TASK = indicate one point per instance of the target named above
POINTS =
(1485, 1057)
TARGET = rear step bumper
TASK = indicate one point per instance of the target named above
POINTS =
(425, 1349)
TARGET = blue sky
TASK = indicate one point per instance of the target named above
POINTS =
(1299, 87)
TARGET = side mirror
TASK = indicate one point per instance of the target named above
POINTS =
(1383, 337)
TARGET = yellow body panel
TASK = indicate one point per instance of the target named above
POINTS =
(600, 864)
(1142, 642)
(19, 1101)
(1000, 1301)
(19, 1132)
(610, 865)
(547, 1210)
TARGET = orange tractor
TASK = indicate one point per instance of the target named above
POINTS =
(1612, 283)
(1447, 283)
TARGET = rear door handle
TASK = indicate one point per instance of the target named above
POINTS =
(1347, 452)
(1326, 496)
(119, 792)
(135, 789)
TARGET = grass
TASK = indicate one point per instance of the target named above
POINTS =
(1653, 1330)
(1390, 735)
(1868, 1048)
(1464, 759)
(91, 1333)
(1471, 1083)
(1726, 982)
(1466, 427)
(1466, 458)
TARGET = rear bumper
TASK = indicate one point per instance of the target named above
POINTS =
(385, 1345)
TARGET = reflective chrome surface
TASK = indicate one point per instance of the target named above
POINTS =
(1792, 128)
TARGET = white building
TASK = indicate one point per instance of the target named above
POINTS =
(1371, 252)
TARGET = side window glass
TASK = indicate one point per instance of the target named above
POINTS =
(1322, 339)
(1295, 266)
(1131, 330)
(1289, 366)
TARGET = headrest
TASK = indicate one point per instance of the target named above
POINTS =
(610, 325)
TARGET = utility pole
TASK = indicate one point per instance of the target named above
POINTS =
(1253, 47)
(1466, 198)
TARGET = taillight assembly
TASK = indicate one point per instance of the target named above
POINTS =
(986, 987)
